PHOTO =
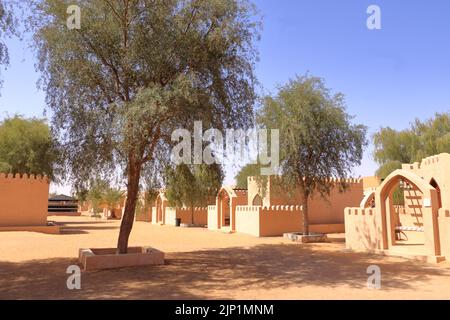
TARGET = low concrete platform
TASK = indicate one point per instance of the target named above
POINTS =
(106, 258)
(302, 238)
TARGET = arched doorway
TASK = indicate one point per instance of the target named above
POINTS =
(224, 209)
(257, 201)
(159, 209)
(435, 185)
(411, 226)
(368, 201)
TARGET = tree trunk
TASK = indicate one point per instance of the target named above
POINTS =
(305, 214)
(134, 174)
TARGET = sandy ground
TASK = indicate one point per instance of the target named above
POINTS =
(202, 264)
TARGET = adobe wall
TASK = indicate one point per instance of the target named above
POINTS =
(185, 214)
(275, 221)
(144, 215)
(153, 213)
(436, 167)
(170, 214)
(444, 231)
(212, 218)
(268, 221)
(331, 209)
(363, 229)
(23, 200)
(370, 184)
(247, 220)
(200, 215)
(321, 211)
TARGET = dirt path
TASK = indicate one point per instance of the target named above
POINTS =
(202, 264)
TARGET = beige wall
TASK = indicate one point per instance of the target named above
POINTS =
(212, 218)
(426, 187)
(200, 215)
(145, 215)
(23, 200)
(444, 231)
(437, 168)
(265, 222)
(362, 229)
(321, 211)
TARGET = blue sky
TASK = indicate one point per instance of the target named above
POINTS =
(389, 76)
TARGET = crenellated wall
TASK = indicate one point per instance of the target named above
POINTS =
(363, 229)
(268, 221)
(212, 218)
(185, 214)
(435, 167)
(200, 215)
(321, 211)
(23, 200)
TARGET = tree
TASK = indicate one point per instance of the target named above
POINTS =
(423, 139)
(8, 28)
(136, 70)
(209, 178)
(112, 198)
(193, 187)
(249, 170)
(317, 139)
(96, 193)
(26, 146)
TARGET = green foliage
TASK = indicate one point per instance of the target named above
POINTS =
(317, 139)
(135, 71)
(96, 193)
(5, 167)
(249, 170)
(113, 196)
(209, 179)
(193, 187)
(26, 146)
(150, 196)
(423, 139)
(100, 192)
(387, 168)
(8, 27)
(138, 69)
(181, 187)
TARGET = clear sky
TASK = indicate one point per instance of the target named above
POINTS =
(389, 76)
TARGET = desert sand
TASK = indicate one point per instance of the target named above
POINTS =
(202, 264)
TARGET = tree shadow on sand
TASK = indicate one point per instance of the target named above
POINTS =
(213, 274)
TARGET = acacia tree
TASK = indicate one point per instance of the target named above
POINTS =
(249, 170)
(26, 146)
(423, 139)
(193, 187)
(8, 27)
(112, 197)
(136, 70)
(317, 139)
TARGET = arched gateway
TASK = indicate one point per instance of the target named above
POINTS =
(408, 214)
(420, 210)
